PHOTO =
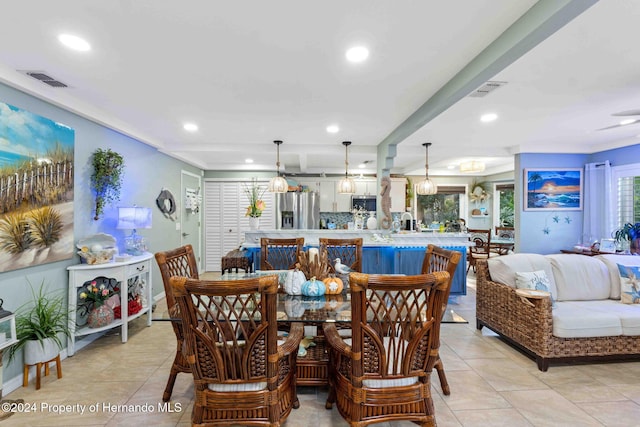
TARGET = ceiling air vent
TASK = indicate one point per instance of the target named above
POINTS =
(486, 88)
(44, 78)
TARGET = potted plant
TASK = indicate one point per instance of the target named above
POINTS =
(254, 194)
(106, 179)
(629, 234)
(39, 325)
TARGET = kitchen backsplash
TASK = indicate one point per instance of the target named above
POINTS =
(340, 219)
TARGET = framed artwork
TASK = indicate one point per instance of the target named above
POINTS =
(36, 189)
(553, 189)
(608, 246)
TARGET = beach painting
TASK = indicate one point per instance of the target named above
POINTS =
(553, 189)
(36, 189)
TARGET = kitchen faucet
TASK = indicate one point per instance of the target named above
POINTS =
(410, 218)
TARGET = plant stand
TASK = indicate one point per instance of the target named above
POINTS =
(25, 380)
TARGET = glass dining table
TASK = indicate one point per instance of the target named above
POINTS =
(313, 363)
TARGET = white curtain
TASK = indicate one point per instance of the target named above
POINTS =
(599, 201)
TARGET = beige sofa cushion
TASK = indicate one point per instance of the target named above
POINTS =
(611, 262)
(580, 277)
(503, 269)
(580, 319)
(629, 315)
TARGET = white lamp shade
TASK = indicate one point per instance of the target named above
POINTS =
(426, 187)
(134, 217)
(346, 186)
(278, 185)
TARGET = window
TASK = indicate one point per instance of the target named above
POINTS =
(628, 199)
(504, 198)
(444, 207)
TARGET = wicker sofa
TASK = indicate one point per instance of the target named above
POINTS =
(583, 319)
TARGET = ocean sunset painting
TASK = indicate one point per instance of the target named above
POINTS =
(553, 189)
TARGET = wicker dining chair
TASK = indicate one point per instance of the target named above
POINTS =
(243, 372)
(280, 254)
(348, 250)
(480, 246)
(176, 262)
(440, 259)
(382, 373)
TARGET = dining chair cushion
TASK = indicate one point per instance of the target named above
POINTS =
(224, 388)
(387, 382)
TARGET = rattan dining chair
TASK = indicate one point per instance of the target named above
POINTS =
(280, 254)
(349, 251)
(243, 372)
(176, 262)
(480, 247)
(382, 373)
(440, 259)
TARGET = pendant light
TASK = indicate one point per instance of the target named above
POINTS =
(278, 184)
(427, 187)
(346, 184)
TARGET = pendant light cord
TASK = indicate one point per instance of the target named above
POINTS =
(346, 158)
(426, 159)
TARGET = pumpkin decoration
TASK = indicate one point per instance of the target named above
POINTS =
(293, 283)
(333, 285)
(313, 288)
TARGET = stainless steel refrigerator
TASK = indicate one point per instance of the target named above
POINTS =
(298, 210)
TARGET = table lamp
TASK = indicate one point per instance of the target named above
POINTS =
(134, 218)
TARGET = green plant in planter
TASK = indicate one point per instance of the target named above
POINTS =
(631, 233)
(45, 316)
(106, 179)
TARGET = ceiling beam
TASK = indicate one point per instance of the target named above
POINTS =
(539, 22)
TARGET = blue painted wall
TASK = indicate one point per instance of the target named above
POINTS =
(146, 172)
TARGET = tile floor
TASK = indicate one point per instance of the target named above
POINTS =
(492, 385)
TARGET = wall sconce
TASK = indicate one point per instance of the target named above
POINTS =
(131, 219)
(471, 167)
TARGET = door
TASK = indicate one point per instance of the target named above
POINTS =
(191, 216)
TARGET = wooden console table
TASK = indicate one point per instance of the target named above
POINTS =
(133, 277)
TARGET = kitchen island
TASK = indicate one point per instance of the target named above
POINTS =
(382, 252)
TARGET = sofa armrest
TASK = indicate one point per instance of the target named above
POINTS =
(527, 322)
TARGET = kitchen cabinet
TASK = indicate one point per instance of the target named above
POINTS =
(366, 187)
(377, 260)
(331, 200)
(132, 277)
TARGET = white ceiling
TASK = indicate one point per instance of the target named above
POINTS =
(249, 72)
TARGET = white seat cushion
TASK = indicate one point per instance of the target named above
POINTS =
(225, 388)
(579, 319)
(629, 315)
(580, 278)
(503, 269)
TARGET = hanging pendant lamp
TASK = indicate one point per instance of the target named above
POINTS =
(278, 184)
(346, 184)
(427, 187)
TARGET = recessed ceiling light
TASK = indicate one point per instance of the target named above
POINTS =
(190, 127)
(333, 129)
(626, 122)
(248, 160)
(489, 117)
(362, 165)
(451, 167)
(357, 54)
(74, 42)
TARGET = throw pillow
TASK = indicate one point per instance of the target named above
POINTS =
(629, 284)
(536, 280)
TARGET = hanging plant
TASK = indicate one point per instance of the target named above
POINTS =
(106, 179)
